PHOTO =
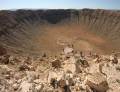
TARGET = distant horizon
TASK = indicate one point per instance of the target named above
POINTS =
(57, 9)
(59, 4)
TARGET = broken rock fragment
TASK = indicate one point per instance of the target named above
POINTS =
(68, 50)
(97, 82)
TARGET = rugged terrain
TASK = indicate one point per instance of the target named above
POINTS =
(72, 71)
(47, 31)
(60, 50)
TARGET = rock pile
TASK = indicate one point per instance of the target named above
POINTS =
(69, 72)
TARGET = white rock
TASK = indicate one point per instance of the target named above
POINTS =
(68, 75)
(25, 87)
(68, 50)
(37, 81)
(15, 86)
(39, 88)
(111, 57)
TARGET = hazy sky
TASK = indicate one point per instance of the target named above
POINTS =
(54, 4)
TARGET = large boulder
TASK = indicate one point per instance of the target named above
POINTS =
(97, 82)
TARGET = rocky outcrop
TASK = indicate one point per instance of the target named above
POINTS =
(35, 74)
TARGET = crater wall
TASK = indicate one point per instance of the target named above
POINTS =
(36, 31)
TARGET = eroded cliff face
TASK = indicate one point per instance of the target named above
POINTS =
(39, 31)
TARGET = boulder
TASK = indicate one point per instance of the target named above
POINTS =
(68, 50)
(97, 82)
